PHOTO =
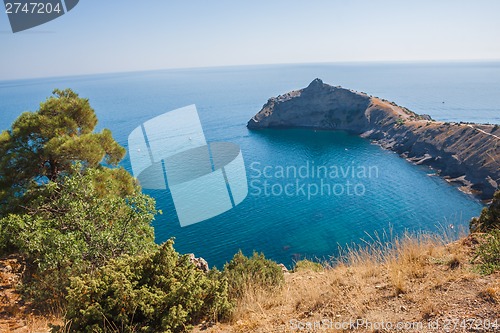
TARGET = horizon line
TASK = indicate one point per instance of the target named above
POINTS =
(353, 62)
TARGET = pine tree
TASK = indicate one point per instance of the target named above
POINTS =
(42, 146)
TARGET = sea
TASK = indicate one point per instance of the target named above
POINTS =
(310, 193)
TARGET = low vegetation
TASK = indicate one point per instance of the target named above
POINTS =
(488, 223)
(308, 265)
(488, 252)
(489, 218)
(251, 273)
(157, 291)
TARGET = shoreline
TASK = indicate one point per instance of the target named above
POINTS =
(458, 152)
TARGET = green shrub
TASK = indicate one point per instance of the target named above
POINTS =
(10, 229)
(489, 253)
(490, 216)
(248, 273)
(75, 227)
(400, 121)
(307, 265)
(159, 291)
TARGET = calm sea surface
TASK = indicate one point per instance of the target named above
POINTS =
(361, 188)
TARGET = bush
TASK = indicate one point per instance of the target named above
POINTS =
(307, 265)
(248, 273)
(159, 291)
(10, 229)
(75, 227)
(489, 253)
(490, 216)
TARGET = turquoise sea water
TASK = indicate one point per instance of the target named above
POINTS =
(367, 189)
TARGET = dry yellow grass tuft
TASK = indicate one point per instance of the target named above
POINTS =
(416, 280)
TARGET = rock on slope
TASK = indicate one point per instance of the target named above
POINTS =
(465, 153)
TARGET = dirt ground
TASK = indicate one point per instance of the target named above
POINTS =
(17, 316)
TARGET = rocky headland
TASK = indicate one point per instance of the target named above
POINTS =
(465, 153)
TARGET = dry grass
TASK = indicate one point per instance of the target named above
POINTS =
(413, 278)
(29, 323)
(491, 293)
(256, 301)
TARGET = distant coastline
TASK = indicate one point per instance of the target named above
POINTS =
(463, 153)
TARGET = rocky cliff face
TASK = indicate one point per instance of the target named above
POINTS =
(465, 153)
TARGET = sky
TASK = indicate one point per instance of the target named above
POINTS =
(102, 36)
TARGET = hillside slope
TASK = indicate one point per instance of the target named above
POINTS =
(419, 284)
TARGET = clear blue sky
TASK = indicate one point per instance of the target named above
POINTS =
(122, 35)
